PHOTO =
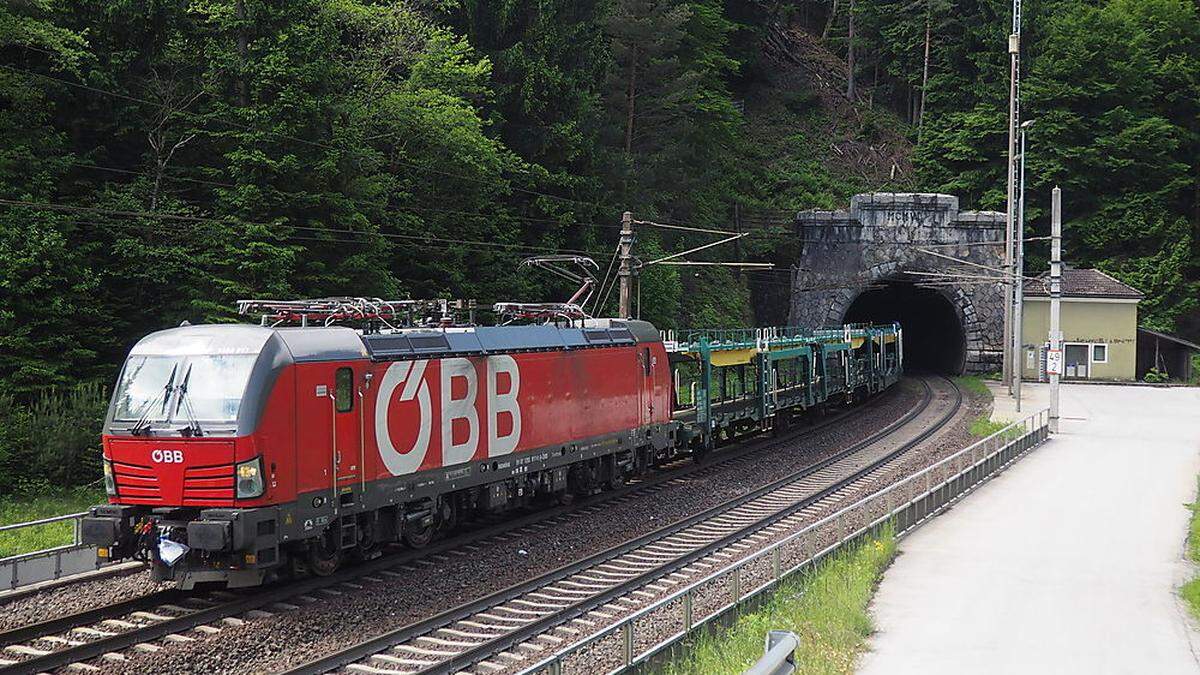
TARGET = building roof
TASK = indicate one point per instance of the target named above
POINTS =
(1083, 283)
(1170, 338)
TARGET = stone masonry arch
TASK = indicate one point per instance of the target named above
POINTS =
(884, 241)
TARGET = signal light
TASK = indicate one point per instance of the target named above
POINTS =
(102, 552)
(251, 559)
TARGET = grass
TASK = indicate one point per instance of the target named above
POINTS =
(974, 384)
(19, 510)
(827, 609)
(984, 426)
(1191, 590)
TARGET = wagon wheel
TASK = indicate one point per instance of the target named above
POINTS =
(325, 555)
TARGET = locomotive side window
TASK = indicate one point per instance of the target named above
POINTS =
(342, 394)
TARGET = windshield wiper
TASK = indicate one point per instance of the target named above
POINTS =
(143, 421)
(182, 400)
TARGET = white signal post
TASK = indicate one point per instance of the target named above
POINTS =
(1054, 358)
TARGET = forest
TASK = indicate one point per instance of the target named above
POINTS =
(161, 159)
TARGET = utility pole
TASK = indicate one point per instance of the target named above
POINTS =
(1014, 54)
(626, 271)
(1054, 356)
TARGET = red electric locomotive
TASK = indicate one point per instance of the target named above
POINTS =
(233, 450)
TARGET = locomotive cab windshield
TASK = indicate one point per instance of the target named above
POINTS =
(190, 381)
(194, 389)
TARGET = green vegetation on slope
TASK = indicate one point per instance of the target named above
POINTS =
(827, 609)
(159, 161)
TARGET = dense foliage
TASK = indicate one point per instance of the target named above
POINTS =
(159, 160)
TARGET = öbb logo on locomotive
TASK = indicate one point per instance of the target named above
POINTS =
(459, 425)
(234, 453)
(160, 456)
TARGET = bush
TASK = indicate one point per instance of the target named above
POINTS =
(55, 441)
(1155, 375)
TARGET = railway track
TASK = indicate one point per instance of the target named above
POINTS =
(497, 633)
(105, 632)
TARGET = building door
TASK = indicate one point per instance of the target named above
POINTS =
(1076, 362)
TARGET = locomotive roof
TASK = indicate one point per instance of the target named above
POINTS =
(336, 343)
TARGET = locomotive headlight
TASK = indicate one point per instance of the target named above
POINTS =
(110, 483)
(250, 479)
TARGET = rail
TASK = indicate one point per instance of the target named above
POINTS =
(905, 504)
(48, 564)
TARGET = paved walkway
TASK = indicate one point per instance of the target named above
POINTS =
(1066, 563)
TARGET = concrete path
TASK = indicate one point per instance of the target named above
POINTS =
(1066, 563)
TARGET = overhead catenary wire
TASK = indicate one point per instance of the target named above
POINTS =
(296, 139)
(332, 231)
(392, 208)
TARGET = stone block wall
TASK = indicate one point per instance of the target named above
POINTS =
(885, 236)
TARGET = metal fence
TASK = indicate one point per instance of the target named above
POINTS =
(648, 633)
(25, 569)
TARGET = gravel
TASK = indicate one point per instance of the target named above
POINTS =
(60, 601)
(607, 653)
(289, 638)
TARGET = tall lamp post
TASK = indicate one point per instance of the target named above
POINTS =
(1019, 276)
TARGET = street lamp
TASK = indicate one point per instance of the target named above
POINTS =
(1019, 275)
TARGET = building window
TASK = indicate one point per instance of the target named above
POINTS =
(1099, 353)
(342, 394)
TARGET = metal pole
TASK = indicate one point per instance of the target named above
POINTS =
(1014, 54)
(1055, 302)
(625, 272)
(1018, 281)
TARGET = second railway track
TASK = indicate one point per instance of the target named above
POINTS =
(498, 632)
(106, 631)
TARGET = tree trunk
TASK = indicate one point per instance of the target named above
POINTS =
(924, 77)
(850, 55)
(829, 21)
(242, 47)
(629, 102)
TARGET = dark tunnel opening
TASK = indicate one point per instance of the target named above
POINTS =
(933, 335)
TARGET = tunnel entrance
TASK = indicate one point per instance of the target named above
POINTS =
(933, 335)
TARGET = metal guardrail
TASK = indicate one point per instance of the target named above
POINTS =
(25, 569)
(779, 655)
(905, 505)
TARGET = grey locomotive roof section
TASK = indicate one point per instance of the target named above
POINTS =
(500, 339)
(221, 338)
(332, 343)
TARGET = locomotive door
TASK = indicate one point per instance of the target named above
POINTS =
(347, 412)
(645, 387)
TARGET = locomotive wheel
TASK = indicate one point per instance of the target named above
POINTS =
(367, 548)
(419, 536)
(325, 556)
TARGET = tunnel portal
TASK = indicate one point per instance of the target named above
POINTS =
(876, 261)
(934, 340)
